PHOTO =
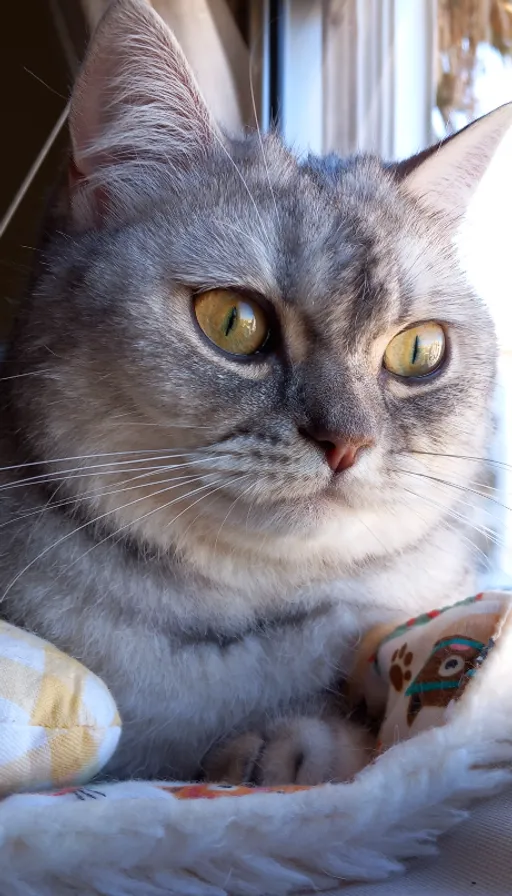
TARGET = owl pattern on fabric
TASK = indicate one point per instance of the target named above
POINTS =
(444, 676)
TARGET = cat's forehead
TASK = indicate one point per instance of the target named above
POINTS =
(318, 236)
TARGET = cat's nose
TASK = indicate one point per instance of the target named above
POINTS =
(340, 453)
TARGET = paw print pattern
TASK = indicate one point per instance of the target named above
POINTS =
(400, 673)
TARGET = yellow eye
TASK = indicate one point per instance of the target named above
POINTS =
(231, 321)
(417, 351)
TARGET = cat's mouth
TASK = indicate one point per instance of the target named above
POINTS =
(319, 497)
(311, 484)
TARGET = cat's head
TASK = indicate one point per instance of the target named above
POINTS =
(274, 358)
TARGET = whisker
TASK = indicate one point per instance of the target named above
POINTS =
(52, 505)
(368, 529)
(80, 528)
(459, 518)
(462, 488)
(150, 513)
(122, 416)
(235, 502)
(61, 460)
(44, 83)
(258, 129)
(78, 472)
(488, 533)
(476, 458)
(136, 522)
(221, 486)
(484, 485)
(69, 476)
(245, 184)
(18, 376)
(481, 528)
(137, 424)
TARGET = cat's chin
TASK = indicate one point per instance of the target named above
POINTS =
(337, 500)
(320, 532)
(312, 515)
(318, 538)
(309, 516)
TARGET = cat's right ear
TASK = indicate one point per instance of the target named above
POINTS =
(135, 108)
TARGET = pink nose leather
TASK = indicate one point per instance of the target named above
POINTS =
(341, 456)
(340, 453)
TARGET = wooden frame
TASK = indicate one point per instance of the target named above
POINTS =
(379, 80)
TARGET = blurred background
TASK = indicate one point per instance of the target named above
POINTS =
(390, 76)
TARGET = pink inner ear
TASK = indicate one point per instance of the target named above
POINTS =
(460, 647)
(74, 174)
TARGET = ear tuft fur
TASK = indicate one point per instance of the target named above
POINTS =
(447, 177)
(467, 183)
(135, 106)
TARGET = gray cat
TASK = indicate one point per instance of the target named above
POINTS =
(231, 404)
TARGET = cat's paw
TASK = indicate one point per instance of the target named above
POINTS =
(302, 750)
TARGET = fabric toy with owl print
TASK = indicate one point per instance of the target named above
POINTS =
(409, 676)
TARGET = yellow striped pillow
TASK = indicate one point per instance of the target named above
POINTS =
(59, 724)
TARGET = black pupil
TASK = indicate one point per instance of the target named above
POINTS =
(415, 349)
(451, 664)
(231, 320)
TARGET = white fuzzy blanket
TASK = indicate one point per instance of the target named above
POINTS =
(143, 842)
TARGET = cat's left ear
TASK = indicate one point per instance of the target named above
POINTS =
(466, 182)
(136, 112)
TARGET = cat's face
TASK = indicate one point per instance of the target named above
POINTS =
(230, 319)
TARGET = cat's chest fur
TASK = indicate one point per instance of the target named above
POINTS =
(185, 677)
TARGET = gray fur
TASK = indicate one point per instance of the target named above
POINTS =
(241, 602)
